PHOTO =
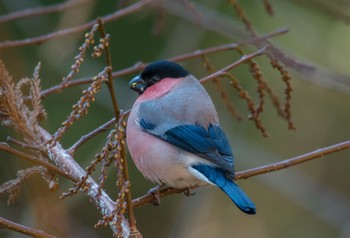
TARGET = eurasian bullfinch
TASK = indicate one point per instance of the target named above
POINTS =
(174, 136)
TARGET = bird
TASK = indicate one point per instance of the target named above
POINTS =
(174, 136)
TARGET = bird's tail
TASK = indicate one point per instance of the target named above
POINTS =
(235, 193)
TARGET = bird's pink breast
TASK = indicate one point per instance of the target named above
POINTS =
(157, 160)
(159, 89)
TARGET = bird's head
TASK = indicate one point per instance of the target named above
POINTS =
(154, 73)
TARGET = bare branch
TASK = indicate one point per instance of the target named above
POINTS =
(293, 161)
(104, 45)
(4, 223)
(40, 10)
(234, 64)
(226, 47)
(104, 127)
(58, 88)
(111, 17)
(22, 155)
(22, 144)
(79, 58)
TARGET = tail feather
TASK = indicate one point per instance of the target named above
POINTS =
(235, 193)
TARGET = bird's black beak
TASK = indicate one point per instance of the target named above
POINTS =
(138, 84)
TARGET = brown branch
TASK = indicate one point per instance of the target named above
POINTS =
(104, 127)
(293, 161)
(226, 47)
(20, 154)
(58, 88)
(105, 46)
(79, 58)
(111, 17)
(118, 117)
(4, 223)
(127, 188)
(243, 59)
(40, 10)
(22, 144)
(148, 198)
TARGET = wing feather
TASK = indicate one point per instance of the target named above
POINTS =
(210, 143)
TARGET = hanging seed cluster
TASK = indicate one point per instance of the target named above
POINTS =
(80, 109)
(79, 58)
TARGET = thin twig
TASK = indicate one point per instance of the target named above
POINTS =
(293, 161)
(79, 58)
(226, 47)
(5, 147)
(54, 35)
(105, 45)
(22, 144)
(40, 10)
(243, 59)
(58, 88)
(148, 198)
(104, 127)
(4, 223)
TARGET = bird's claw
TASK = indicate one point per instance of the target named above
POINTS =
(156, 193)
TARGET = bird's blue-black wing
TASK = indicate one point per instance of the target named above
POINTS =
(210, 143)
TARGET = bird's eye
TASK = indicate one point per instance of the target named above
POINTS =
(155, 79)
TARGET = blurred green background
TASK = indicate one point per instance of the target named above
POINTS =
(308, 200)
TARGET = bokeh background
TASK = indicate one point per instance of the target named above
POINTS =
(308, 200)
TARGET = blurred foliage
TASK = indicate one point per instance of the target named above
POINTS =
(309, 200)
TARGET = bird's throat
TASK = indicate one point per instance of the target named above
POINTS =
(159, 89)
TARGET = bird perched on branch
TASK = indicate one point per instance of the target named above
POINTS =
(174, 136)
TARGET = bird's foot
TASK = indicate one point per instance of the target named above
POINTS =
(156, 193)
(189, 192)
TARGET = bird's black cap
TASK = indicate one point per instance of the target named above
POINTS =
(155, 72)
(164, 69)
